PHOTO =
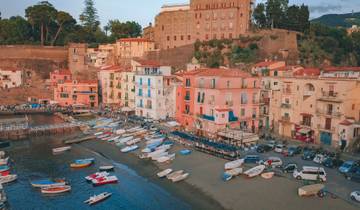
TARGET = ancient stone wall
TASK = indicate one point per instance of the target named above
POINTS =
(57, 54)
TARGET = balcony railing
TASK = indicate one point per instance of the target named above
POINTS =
(328, 113)
(285, 105)
(330, 96)
(308, 92)
(212, 102)
(327, 128)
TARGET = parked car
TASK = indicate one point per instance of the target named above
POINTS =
(289, 168)
(355, 196)
(273, 161)
(319, 158)
(251, 159)
(292, 150)
(347, 166)
(353, 174)
(271, 144)
(261, 148)
(310, 173)
(279, 148)
(332, 162)
(308, 155)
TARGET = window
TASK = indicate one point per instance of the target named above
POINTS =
(182, 37)
(149, 81)
(168, 38)
(254, 84)
(230, 35)
(149, 93)
(187, 83)
(213, 83)
(189, 37)
(275, 73)
(242, 112)
(162, 27)
(243, 98)
(174, 38)
(140, 92)
(228, 84)
(140, 81)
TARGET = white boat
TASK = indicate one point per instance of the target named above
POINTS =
(106, 168)
(134, 129)
(268, 175)
(96, 175)
(120, 131)
(257, 170)
(166, 158)
(113, 138)
(133, 141)
(105, 180)
(164, 173)
(123, 140)
(61, 149)
(174, 174)
(234, 164)
(4, 161)
(156, 152)
(155, 140)
(97, 198)
(234, 171)
(180, 177)
(309, 190)
(7, 178)
(98, 133)
(129, 148)
(103, 136)
(157, 156)
(2, 154)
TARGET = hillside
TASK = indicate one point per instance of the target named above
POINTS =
(343, 20)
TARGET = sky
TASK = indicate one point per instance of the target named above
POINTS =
(144, 11)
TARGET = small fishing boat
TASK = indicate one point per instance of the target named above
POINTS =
(152, 141)
(156, 152)
(152, 147)
(252, 172)
(166, 158)
(123, 140)
(4, 173)
(96, 175)
(56, 189)
(164, 173)
(229, 174)
(133, 141)
(98, 133)
(234, 164)
(120, 131)
(61, 149)
(180, 177)
(97, 198)
(174, 174)
(7, 178)
(129, 148)
(82, 163)
(4, 161)
(106, 168)
(104, 180)
(309, 190)
(268, 175)
(113, 138)
(4, 168)
(85, 160)
(157, 156)
(185, 152)
(48, 183)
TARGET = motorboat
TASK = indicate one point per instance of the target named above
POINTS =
(7, 178)
(180, 177)
(48, 183)
(268, 175)
(98, 133)
(166, 158)
(61, 149)
(185, 152)
(129, 148)
(174, 174)
(96, 175)
(104, 180)
(156, 152)
(123, 140)
(255, 171)
(97, 198)
(4, 168)
(56, 189)
(82, 163)
(164, 173)
(234, 164)
(120, 131)
(106, 168)
(133, 141)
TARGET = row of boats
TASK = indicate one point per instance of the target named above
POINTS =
(234, 168)
(5, 177)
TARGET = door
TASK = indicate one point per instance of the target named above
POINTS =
(325, 138)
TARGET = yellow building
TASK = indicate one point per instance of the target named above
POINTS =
(129, 48)
(110, 85)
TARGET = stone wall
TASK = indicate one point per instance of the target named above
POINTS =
(57, 54)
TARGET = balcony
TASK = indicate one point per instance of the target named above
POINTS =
(285, 105)
(326, 128)
(306, 124)
(328, 113)
(330, 96)
(148, 106)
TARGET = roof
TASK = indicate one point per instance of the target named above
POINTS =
(307, 72)
(91, 82)
(134, 40)
(218, 72)
(151, 63)
(345, 122)
(265, 63)
(341, 68)
(62, 72)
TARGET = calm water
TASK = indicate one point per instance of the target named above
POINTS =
(33, 159)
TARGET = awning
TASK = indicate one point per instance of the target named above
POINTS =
(304, 130)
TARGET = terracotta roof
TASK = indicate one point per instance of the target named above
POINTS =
(151, 63)
(218, 72)
(342, 68)
(345, 122)
(265, 63)
(62, 72)
(82, 82)
(134, 40)
(307, 72)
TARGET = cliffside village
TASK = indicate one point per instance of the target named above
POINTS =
(314, 105)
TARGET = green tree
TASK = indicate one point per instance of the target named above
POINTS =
(89, 17)
(124, 29)
(276, 12)
(41, 15)
(15, 30)
(260, 16)
(63, 19)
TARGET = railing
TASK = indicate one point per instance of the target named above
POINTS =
(330, 96)
(327, 128)
(328, 113)
(212, 102)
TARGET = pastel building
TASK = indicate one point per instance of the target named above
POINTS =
(155, 90)
(60, 76)
(268, 68)
(321, 110)
(213, 99)
(110, 85)
(72, 92)
(10, 78)
(128, 89)
(129, 48)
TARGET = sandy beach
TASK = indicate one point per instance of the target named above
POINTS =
(204, 188)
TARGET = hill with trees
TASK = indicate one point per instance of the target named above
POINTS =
(336, 20)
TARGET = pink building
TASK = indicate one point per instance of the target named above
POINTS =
(210, 100)
(60, 76)
(84, 92)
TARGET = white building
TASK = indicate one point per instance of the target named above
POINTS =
(155, 90)
(10, 78)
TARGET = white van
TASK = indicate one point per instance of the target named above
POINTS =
(310, 173)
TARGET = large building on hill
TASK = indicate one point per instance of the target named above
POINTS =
(181, 24)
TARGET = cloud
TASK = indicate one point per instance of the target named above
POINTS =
(325, 8)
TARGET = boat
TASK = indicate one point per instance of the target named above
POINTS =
(234, 164)
(7, 178)
(56, 189)
(48, 183)
(152, 141)
(97, 198)
(174, 174)
(104, 180)
(120, 131)
(4, 168)
(85, 160)
(180, 177)
(133, 141)
(164, 173)
(123, 140)
(4, 161)
(103, 136)
(98, 133)
(61, 149)
(113, 138)
(96, 175)
(309, 190)
(157, 156)
(82, 163)
(252, 172)
(185, 152)
(155, 153)
(106, 168)
(4, 144)
(2, 154)
(166, 158)
(267, 175)
(151, 147)
(4, 173)
(232, 173)
(129, 148)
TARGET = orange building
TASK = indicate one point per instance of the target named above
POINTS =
(60, 76)
(71, 92)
